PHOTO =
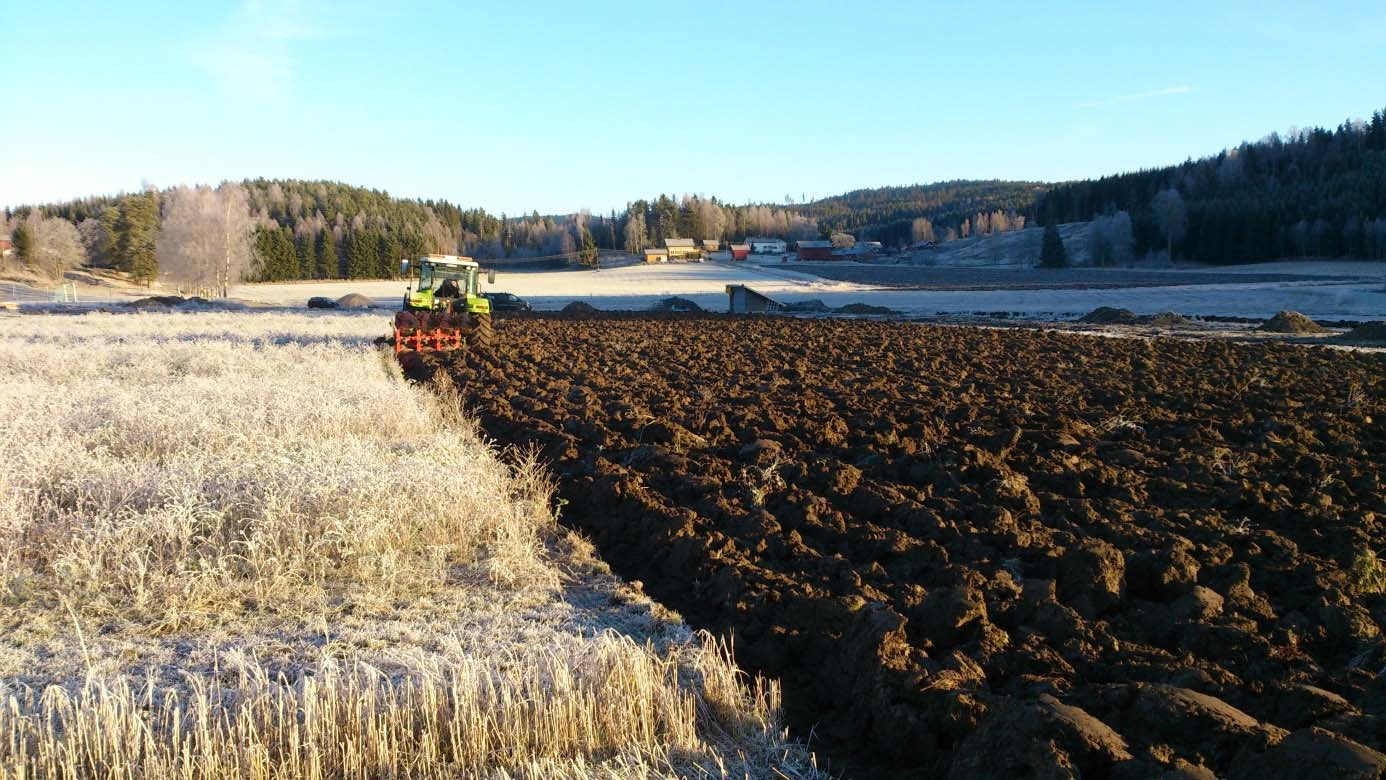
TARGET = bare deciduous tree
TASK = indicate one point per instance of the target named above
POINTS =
(635, 233)
(1110, 240)
(1173, 218)
(921, 229)
(55, 246)
(206, 241)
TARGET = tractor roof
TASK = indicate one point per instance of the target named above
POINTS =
(448, 260)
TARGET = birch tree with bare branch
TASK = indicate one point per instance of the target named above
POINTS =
(206, 242)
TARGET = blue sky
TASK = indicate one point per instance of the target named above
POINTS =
(561, 106)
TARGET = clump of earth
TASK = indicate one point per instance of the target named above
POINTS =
(676, 304)
(1107, 315)
(1167, 319)
(579, 308)
(1292, 322)
(814, 306)
(865, 309)
(1373, 332)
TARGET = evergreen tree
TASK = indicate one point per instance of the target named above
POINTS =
(23, 240)
(328, 262)
(137, 233)
(391, 252)
(1052, 252)
(361, 254)
(285, 243)
(307, 258)
(276, 253)
(110, 221)
(269, 270)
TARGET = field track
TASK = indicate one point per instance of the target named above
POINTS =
(985, 553)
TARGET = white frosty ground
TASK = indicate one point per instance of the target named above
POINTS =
(637, 287)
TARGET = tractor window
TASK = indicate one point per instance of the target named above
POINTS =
(450, 281)
(426, 277)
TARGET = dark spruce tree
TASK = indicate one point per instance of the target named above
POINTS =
(327, 267)
(307, 257)
(1052, 252)
(137, 231)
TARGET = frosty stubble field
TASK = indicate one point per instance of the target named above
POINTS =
(209, 521)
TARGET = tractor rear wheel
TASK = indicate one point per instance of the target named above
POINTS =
(483, 333)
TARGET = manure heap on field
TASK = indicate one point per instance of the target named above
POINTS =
(988, 554)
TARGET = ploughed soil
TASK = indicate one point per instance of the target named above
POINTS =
(987, 553)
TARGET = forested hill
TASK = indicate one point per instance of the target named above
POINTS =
(1317, 193)
(888, 214)
(324, 229)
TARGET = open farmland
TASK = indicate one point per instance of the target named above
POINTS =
(982, 553)
(1332, 291)
(242, 546)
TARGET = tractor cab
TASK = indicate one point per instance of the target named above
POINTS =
(445, 283)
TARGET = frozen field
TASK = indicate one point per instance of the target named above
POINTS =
(1333, 291)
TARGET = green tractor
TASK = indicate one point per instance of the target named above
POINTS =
(443, 306)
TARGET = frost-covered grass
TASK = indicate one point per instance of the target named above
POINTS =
(234, 466)
(240, 545)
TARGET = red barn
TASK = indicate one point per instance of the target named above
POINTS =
(740, 251)
(815, 250)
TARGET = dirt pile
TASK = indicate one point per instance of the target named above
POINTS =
(1167, 319)
(157, 302)
(859, 309)
(814, 306)
(192, 303)
(676, 304)
(354, 301)
(1373, 332)
(577, 308)
(1106, 315)
(1291, 322)
(987, 553)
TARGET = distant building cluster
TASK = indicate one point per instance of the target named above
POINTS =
(691, 250)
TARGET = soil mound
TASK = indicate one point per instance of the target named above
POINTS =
(1291, 322)
(1167, 319)
(958, 566)
(157, 302)
(1106, 315)
(676, 304)
(1373, 332)
(865, 309)
(814, 306)
(354, 301)
(579, 307)
(185, 304)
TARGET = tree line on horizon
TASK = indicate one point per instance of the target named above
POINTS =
(320, 230)
(1309, 193)
(1312, 192)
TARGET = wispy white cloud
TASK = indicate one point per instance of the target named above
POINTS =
(1182, 89)
(251, 52)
